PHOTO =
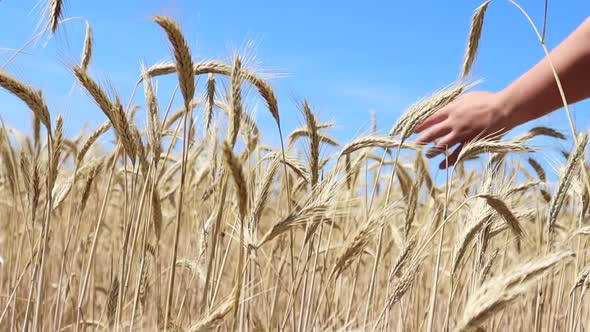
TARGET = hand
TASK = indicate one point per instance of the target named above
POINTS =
(471, 115)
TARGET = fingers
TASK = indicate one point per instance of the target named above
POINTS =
(442, 145)
(434, 132)
(452, 158)
(438, 117)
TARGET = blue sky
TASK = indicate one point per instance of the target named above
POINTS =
(346, 57)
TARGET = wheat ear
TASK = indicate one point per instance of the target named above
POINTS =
(573, 164)
(210, 100)
(32, 98)
(182, 55)
(216, 67)
(498, 292)
(374, 141)
(474, 37)
(236, 101)
(87, 51)
(314, 143)
(55, 12)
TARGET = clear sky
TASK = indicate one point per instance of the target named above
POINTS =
(346, 57)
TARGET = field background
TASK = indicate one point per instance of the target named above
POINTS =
(291, 196)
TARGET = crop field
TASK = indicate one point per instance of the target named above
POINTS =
(193, 223)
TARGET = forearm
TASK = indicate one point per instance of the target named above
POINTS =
(536, 93)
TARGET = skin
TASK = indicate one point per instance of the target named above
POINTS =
(531, 96)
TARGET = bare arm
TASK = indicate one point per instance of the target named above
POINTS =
(532, 95)
(535, 93)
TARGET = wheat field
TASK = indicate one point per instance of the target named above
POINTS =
(193, 223)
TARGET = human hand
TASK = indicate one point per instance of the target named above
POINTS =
(471, 115)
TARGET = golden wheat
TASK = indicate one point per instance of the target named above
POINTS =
(162, 226)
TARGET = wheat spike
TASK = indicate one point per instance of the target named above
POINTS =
(210, 100)
(182, 55)
(239, 179)
(157, 215)
(154, 125)
(538, 169)
(404, 283)
(216, 67)
(478, 147)
(474, 37)
(499, 291)
(468, 234)
(236, 101)
(304, 132)
(55, 12)
(314, 143)
(372, 142)
(92, 174)
(502, 209)
(402, 259)
(209, 322)
(97, 93)
(362, 237)
(573, 164)
(32, 98)
(56, 148)
(87, 51)
(91, 140)
(485, 271)
(112, 301)
(581, 279)
(540, 131)
(411, 206)
(314, 208)
(426, 107)
(125, 131)
(263, 191)
(401, 287)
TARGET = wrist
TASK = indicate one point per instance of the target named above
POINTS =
(507, 108)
